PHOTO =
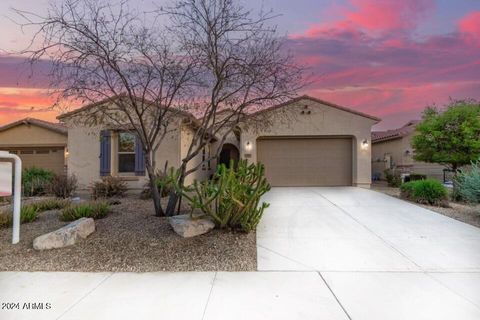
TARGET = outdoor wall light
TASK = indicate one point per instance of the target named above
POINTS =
(248, 146)
(365, 144)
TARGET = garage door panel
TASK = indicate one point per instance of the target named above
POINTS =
(47, 158)
(306, 161)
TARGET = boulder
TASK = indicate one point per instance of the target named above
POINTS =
(65, 236)
(187, 227)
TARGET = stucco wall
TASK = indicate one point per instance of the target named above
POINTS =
(397, 149)
(84, 152)
(323, 120)
(31, 136)
(203, 172)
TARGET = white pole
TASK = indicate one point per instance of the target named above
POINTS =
(17, 190)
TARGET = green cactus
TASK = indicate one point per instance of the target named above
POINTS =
(231, 198)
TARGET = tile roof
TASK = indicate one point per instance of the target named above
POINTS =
(57, 127)
(379, 136)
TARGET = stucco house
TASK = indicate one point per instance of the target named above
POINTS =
(392, 149)
(37, 142)
(308, 142)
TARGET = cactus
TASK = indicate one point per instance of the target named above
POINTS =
(232, 197)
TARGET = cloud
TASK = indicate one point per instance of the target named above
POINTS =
(469, 26)
(381, 67)
(18, 103)
(373, 17)
(17, 72)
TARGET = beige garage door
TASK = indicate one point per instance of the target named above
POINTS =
(306, 161)
(50, 158)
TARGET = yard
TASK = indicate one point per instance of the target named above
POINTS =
(130, 238)
(459, 211)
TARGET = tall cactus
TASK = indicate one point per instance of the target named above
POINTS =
(231, 198)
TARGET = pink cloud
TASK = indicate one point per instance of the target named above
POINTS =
(373, 17)
(469, 26)
(371, 60)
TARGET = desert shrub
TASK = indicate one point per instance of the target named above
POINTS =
(5, 219)
(428, 191)
(108, 187)
(50, 204)
(28, 213)
(35, 181)
(164, 185)
(92, 209)
(63, 186)
(231, 198)
(393, 178)
(467, 183)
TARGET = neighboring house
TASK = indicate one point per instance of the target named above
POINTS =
(38, 143)
(392, 149)
(308, 142)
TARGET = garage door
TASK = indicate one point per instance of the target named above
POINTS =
(50, 158)
(306, 161)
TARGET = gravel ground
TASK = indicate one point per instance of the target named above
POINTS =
(131, 238)
(459, 211)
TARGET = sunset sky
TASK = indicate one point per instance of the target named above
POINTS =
(388, 58)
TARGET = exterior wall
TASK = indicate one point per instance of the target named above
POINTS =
(31, 136)
(204, 171)
(322, 121)
(36, 146)
(401, 159)
(84, 153)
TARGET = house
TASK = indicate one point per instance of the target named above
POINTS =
(38, 143)
(393, 149)
(307, 142)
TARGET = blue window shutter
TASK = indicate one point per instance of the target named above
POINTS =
(139, 157)
(105, 152)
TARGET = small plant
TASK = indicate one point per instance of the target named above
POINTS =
(93, 209)
(5, 219)
(50, 204)
(35, 181)
(232, 197)
(28, 213)
(164, 183)
(63, 186)
(393, 178)
(428, 191)
(467, 183)
(108, 187)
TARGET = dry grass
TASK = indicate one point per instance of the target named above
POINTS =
(131, 238)
(459, 211)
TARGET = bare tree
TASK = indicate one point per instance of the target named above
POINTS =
(240, 64)
(212, 55)
(120, 57)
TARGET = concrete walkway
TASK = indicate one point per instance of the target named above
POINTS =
(323, 253)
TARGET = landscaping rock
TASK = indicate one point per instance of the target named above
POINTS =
(187, 227)
(65, 236)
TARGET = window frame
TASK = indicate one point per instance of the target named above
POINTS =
(119, 153)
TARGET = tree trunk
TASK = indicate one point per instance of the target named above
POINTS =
(174, 197)
(156, 197)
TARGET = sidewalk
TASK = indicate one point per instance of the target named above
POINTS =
(209, 295)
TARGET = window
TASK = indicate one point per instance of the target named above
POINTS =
(126, 152)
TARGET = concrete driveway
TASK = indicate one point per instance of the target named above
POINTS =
(323, 253)
(381, 257)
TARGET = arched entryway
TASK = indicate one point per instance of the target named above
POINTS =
(229, 152)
